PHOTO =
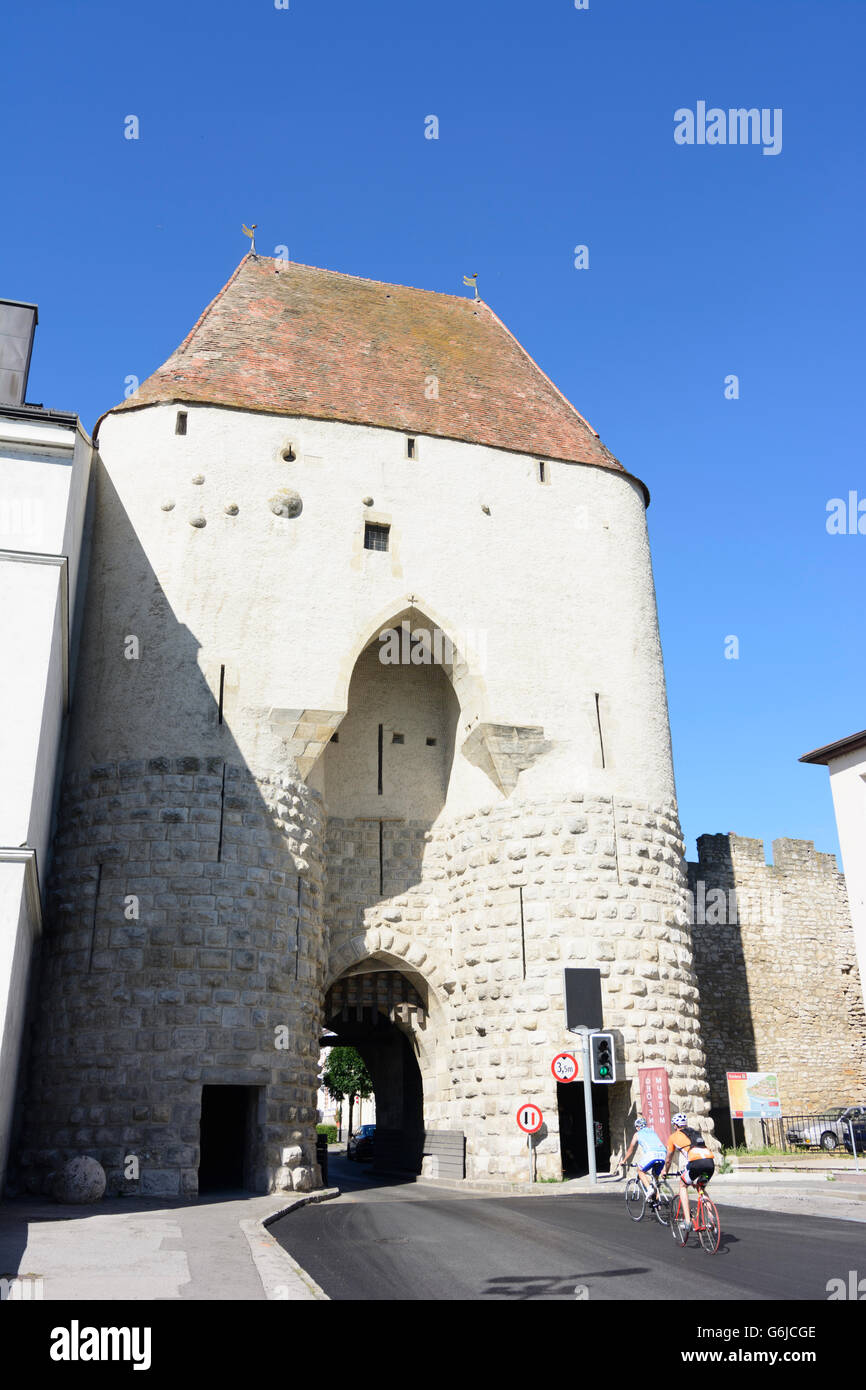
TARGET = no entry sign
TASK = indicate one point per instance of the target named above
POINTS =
(565, 1067)
(530, 1118)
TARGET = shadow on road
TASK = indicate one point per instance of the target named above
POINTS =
(552, 1286)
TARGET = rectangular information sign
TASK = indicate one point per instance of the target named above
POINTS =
(655, 1099)
(753, 1095)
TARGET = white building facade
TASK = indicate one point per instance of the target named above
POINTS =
(846, 763)
(45, 461)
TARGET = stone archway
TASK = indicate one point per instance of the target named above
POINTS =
(373, 988)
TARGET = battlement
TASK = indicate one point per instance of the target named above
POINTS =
(733, 851)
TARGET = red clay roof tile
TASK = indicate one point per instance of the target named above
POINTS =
(290, 339)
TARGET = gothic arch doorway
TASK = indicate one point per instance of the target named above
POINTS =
(379, 1011)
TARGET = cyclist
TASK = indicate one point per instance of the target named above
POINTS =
(650, 1155)
(699, 1164)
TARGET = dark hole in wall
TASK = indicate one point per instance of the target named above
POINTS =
(227, 1116)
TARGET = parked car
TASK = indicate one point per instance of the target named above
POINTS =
(827, 1130)
(859, 1127)
(360, 1146)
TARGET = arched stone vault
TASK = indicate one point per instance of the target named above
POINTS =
(426, 971)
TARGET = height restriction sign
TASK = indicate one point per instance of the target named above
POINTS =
(565, 1067)
(530, 1118)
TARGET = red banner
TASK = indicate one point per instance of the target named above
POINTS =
(655, 1100)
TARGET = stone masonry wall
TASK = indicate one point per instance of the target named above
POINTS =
(779, 985)
(181, 889)
(566, 881)
(497, 903)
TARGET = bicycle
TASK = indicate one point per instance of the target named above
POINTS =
(636, 1198)
(705, 1221)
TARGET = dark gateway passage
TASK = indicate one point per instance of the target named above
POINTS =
(226, 1115)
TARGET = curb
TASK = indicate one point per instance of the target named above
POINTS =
(283, 1279)
(729, 1185)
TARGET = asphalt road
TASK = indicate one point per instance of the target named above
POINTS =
(383, 1240)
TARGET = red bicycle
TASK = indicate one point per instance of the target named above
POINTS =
(705, 1222)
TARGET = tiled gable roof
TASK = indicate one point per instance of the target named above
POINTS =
(293, 340)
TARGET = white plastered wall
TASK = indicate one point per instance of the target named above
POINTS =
(848, 784)
(549, 592)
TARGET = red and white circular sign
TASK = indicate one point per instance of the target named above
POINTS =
(530, 1118)
(565, 1067)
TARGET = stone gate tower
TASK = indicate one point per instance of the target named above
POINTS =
(370, 733)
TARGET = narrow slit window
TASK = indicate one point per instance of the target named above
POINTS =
(411, 448)
(180, 422)
(375, 536)
(543, 473)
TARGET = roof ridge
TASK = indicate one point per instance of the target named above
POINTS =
(367, 279)
(543, 373)
(203, 315)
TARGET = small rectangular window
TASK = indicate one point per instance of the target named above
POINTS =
(411, 449)
(335, 738)
(375, 536)
(180, 422)
(431, 743)
(397, 738)
(543, 472)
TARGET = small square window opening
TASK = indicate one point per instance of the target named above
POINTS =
(375, 536)
(397, 738)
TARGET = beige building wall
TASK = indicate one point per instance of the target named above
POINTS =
(779, 985)
(231, 612)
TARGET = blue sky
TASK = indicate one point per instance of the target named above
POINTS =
(555, 130)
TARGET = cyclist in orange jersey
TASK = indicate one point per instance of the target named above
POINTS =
(699, 1160)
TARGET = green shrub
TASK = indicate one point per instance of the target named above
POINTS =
(329, 1130)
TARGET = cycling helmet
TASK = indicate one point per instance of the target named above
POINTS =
(640, 1123)
(680, 1118)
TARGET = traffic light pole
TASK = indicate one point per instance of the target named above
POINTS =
(587, 1105)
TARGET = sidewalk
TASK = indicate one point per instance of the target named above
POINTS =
(844, 1198)
(130, 1249)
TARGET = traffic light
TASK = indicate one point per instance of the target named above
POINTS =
(601, 1063)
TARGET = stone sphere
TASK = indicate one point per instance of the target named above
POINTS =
(80, 1182)
(286, 502)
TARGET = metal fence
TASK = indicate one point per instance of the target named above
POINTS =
(794, 1133)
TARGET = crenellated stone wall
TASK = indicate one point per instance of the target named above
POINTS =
(184, 947)
(777, 971)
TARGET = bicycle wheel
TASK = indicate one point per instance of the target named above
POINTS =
(710, 1232)
(635, 1200)
(678, 1222)
(665, 1206)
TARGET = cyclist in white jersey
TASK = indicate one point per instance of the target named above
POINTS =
(651, 1154)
